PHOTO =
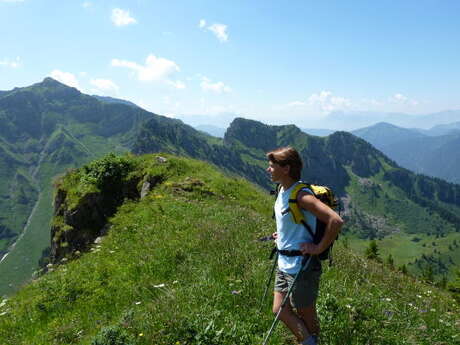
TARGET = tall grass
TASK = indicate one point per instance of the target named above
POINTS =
(182, 266)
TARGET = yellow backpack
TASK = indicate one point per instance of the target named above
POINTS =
(325, 195)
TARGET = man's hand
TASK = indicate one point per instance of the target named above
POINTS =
(310, 248)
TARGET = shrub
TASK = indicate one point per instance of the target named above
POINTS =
(106, 172)
(112, 335)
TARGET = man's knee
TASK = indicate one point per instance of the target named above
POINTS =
(276, 309)
(284, 310)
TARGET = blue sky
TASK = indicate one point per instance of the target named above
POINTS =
(275, 61)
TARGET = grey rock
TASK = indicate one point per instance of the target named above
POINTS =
(145, 189)
(161, 159)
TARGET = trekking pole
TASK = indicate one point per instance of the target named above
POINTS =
(268, 281)
(275, 322)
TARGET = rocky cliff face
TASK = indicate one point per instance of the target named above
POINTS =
(77, 224)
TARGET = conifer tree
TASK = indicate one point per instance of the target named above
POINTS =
(372, 252)
(428, 274)
(403, 269)
(454, 286)
(390, 261)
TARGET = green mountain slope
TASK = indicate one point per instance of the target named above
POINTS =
(380, 200)
(46, 129)
(182, 266)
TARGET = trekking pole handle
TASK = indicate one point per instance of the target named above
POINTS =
(266, 238)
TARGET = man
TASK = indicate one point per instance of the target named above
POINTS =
(285, 166)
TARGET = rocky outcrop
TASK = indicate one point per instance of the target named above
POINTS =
(75, 228)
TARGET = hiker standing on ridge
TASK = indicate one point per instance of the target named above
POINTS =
(285, 166)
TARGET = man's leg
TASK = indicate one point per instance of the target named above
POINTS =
(310, 318)
(289, 318)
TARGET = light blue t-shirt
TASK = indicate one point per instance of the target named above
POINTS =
(290, 234)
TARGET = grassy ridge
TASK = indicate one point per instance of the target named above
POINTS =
(182, 266)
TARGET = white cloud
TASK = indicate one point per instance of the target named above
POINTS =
(220, 30)
(156, 69)
(122, 18)
(11, 0)
(105, 85)
(365, 102)
(327, 102)
(399, 98)
(87, 4)
(65, 78)
(177, 84)
(296, 104)
(218, 87)
(11, 63)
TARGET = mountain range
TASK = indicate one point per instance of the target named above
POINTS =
(48, 128)
(354, 120)
(433, 152)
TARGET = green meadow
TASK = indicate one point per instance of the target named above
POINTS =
(183, 266)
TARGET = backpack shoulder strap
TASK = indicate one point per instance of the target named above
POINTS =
(297, 215)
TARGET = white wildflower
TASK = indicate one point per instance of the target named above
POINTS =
(159, 286)
(137, 303)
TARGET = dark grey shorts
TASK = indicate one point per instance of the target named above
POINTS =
(305, 291)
